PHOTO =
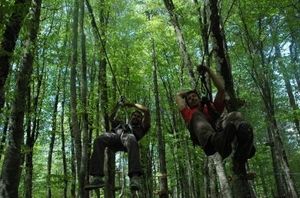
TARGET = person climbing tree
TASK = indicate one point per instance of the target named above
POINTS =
(122, 137)
(210, 128)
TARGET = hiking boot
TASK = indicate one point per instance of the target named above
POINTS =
(135, 183)
(96, 182)
(252, 152)
(222, 140)
(239, 167)
(245, 148)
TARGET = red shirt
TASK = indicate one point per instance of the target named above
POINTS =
(218, 105)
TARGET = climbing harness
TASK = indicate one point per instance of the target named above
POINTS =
(205, 91)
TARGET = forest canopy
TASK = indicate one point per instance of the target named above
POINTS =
(65, 64)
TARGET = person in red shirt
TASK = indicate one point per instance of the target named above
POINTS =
(211, 131)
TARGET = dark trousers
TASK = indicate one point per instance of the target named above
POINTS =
(202, 130)
(116, 142)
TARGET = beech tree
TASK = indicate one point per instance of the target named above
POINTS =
(64, 65)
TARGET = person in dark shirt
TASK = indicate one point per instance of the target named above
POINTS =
(211, 131)
(123, 137)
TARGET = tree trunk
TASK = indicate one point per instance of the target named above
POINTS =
(103, 90)
(211, 190)
(161, 143)
(292, 101)
(11, 169)
(224, 185)
(182, 190)
(284, 182)
(52, 137)
(110, 186)
(263, 80)
(10, 36)
(241, 187)
(294, 53)
(4, 134)
(147, 160)
(33, 126)
(188, 168)
(288, 87)
(221, 56)
(73, 164)
(32, 134)
(28, 143)
(64, 158)
(264, 180)
(76, 134)
(84, 115)
(204, 31)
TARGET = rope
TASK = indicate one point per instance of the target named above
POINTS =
(204, 88)
(93, 21)
(94, 24)
(199, 74)
(108, 61)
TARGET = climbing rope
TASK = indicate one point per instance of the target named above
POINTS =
(94, 24)
(110, 66)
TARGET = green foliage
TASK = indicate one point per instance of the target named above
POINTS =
(133, 26)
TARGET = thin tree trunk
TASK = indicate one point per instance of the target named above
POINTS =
(289, 88)
(285, 184)
(4, 134)
(84, 115)
(205, 178)
(10, 36)
(180, 39)
(73, 165)
(190, 172)
(28, 142)
(181, 181)
(186, 179)
(76, 134)
(33, 131)
(110, 186)
(204, 31)
(197, 175)
(264, 179)
(293, 103)
(63, 141)
(161, 143)
(294, 54)
(103, 90)
(29, 171)
(52, 137)
(32, 134)
(147, 160)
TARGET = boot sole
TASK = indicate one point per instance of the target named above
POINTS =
(245, 150)
(134, 188)
(93, 187)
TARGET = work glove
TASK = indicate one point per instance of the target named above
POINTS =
(202, 69)
(121, 101)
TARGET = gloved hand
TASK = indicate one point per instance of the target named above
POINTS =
(202, 69)
(121, 101)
